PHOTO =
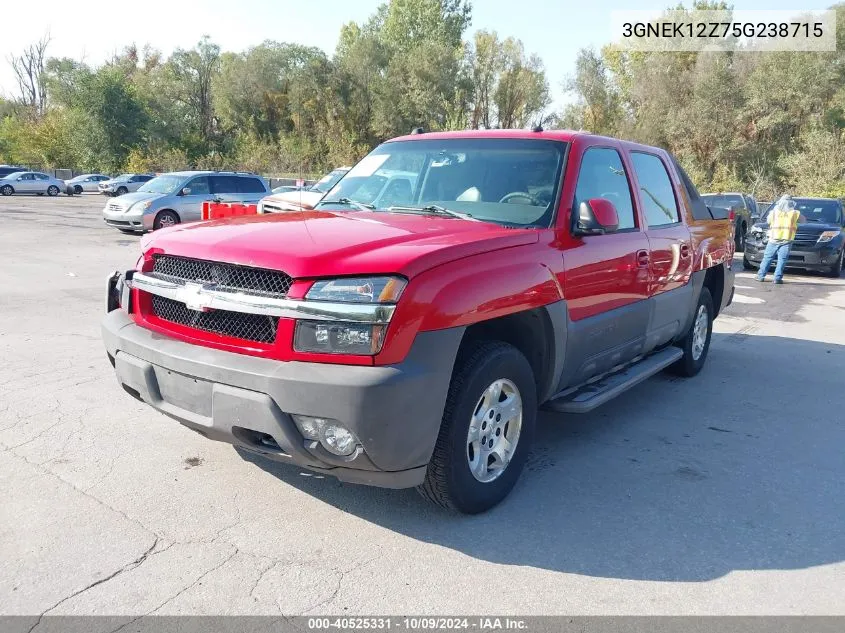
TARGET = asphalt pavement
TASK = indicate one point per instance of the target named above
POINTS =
(722, 494)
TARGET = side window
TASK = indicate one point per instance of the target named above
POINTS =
(28, 177)
(698, 206)
(198, 186)
(42, 177)
(602, 175)
(656, 192)
(250, 185)
(223, 184)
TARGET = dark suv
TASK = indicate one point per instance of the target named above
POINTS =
(5, 170)
(744, 208)
(818, 243)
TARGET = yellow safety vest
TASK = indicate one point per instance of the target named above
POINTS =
(783, 225)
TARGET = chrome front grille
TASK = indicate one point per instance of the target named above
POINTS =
(251, 327)
(225, 277)
(115, 207)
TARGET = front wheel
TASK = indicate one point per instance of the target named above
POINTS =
(836, 269)
(122, 190)
(696, 343)
(165, 219)
(77, 189)
(52, 191)
(486, 432)
(747, 265)
(7, 190)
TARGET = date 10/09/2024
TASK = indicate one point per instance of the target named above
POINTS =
(477, 623)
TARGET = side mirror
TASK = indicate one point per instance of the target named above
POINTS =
(186, 191)
(596, 216)
(20, 178)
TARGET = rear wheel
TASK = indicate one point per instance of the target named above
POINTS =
(696, 343)
(486, 432)
(52, 191)
(122, 190)
(7, 190)
(739, 237)
(836, 269)
(165, 219)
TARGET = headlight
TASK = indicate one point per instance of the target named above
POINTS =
(829, 235)
(358, 290)
(142, 206)
(322, 337)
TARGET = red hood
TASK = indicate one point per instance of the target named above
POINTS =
(322, 243)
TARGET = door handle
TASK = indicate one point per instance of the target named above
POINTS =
(642, 259)
(684, 250)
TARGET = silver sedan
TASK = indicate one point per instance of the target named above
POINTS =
(31, 182)
(87, 183)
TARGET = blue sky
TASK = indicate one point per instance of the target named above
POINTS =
(553, 29)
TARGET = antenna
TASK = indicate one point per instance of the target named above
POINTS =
(537, 128)
(418, 130)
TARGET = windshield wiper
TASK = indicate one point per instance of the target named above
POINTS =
(432, 208)
(361, 206)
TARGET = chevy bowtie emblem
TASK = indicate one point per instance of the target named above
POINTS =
(192, 296)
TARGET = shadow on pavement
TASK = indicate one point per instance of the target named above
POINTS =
(740, 468)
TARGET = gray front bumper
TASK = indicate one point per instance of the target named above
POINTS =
(395, 411)
(822, 256)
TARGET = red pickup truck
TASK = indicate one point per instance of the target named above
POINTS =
(411, 342)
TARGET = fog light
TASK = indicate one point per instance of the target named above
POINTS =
(331, 434)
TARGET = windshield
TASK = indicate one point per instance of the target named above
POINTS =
(163, 184)
(723, 202)
(512, 182)
(328, 181)
(820, 211)
(15, 174)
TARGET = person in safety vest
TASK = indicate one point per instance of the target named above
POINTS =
(783, 222)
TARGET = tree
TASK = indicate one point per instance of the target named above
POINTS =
(192, 72)
(29, 74)
(597, 106)
(508, 88)
(522, 93)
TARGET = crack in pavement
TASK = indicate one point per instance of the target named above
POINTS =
(131, 565)
(180, 592)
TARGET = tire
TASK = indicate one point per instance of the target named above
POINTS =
(449, 480)
(52, 191)
(695, 354)
(165, 218)
(6, 190)
(747, 265)
(77, 189)
(739, 237)
(121, 190)
(836, 269)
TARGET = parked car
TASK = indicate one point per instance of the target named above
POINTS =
(5, 170)
(123, 184)
(411, 345)
(30, 182)
(88, 183)
(304, 198)
(819, 243)
(177, 197)
(743, 206)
